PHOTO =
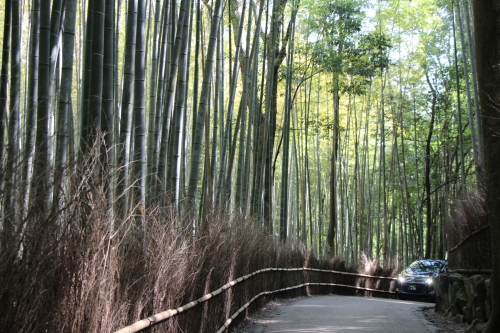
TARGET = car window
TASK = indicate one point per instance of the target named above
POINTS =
(427, 266)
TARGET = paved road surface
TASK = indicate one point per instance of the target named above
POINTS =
(344, 314)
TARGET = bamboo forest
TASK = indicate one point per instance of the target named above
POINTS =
(145, 142)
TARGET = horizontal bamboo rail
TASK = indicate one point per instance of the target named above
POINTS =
(470, 271)
(159, 317)
(347, 273)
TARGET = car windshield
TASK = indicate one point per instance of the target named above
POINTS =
(428, 266)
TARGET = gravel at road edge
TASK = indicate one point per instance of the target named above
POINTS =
(442, 322)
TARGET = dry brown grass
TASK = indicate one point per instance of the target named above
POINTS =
(81, 270)
(467, 215)
(468, 233)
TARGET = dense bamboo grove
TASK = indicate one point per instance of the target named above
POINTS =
(346, 125)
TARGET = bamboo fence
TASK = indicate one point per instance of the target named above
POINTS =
(310, 278)
(472, 253)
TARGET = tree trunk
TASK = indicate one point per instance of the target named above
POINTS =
(487, 32)
(139, 158)
(64, 110)
(472, 53)
(85, 85)
(179, 111)
(383, 182)
(420, 226)
(465, 65)
(40, 181)
(227, 162)
(126, 112)
(332, 228)
(13, 132)
(163, 175)
(286, 138)
(30, 122)
(108, 103)
(203, 108)
(4, 77)
(96, 74)
(427, 181)
(459, 112)
(151, 157)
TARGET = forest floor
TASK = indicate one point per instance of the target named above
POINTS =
(262, 315)
(444, 324)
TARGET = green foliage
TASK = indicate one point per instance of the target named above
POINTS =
(373, 56)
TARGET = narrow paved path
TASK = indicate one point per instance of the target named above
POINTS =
(343, 314)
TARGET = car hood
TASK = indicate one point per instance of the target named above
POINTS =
(417, 273)
(408, 272)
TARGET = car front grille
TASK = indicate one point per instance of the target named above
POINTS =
(415, 279)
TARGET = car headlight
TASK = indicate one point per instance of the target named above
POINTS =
(401, 279)
(429, 281)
